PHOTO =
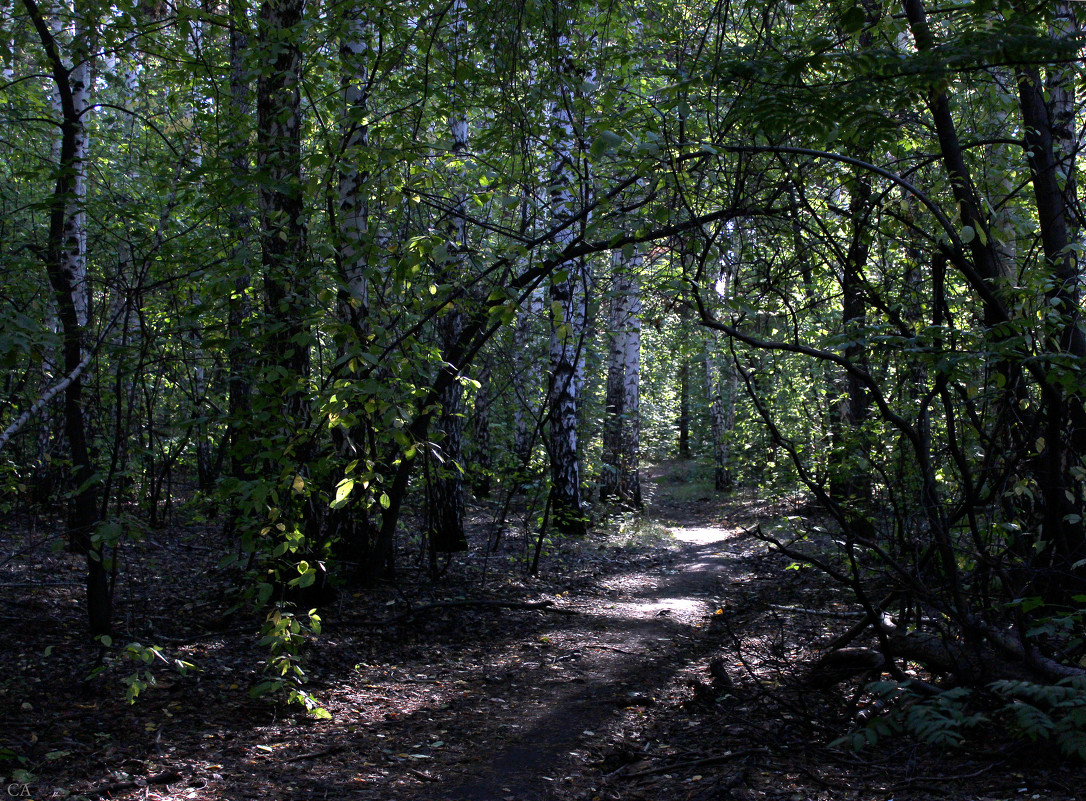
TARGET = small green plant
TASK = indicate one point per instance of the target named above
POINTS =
(14, 768)
(144, 656)
(285, 634)
(1055, 712)
(631, 530)
(941, 719)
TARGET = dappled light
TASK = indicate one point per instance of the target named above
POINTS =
(543, 401)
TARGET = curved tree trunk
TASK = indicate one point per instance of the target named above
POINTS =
(65, 262)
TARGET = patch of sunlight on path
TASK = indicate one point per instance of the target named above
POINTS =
(700, 535)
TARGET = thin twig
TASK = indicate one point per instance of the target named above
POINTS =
(819, 612)
(697, 763)
(165, 777)
(956, 778)
(333, 749)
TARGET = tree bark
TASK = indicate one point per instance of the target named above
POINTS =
(848, 480)
(622, 422)
(1048, 114)
(282, 402)
(567, 306)
(528, 363)
(684, 407)
(482, 461)
(239, 311)
(65, 264)
(445, 501)
(721, 385)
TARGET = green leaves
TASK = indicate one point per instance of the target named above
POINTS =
(606, 142)
(853, 19)
(343, 492)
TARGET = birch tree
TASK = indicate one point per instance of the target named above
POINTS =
(567, 289)
(65, 263)
(622, 423)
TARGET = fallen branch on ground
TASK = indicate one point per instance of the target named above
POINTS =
(697, 763)
(335, 749)
(165, 777)
(819, 612)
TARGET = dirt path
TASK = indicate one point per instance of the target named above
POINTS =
(613, 658)
(461, 703)
(481, 695)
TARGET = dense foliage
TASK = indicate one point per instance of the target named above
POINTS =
(327, 259)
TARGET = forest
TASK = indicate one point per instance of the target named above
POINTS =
(338, 332)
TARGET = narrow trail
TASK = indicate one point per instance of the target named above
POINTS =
(613, 656)
(602, 695)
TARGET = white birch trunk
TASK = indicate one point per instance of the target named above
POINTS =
(622, 425)
(74, 252)
(721, 385)
(353, 209)
(286, 274)
(566, 309)
(7, 40)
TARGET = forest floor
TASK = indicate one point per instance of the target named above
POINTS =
(466, 689)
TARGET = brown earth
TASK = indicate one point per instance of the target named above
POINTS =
(464, 690)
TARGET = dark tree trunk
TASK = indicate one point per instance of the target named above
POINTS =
(684, 408)
(849, 476)
(482, 463)
(622, 425)
(83, 512)
(239, 382)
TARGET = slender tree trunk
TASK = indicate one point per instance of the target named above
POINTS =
(684, 407)
(848, 475)
(445, 501)
(239, 312)
(483, 460)
(65, 264)
(683, 421)
(721, 384)
(527, 369)
(566, 309)
(74, 253)
(622, 422)
(286, 274)
(349, 526)
(353, 180)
